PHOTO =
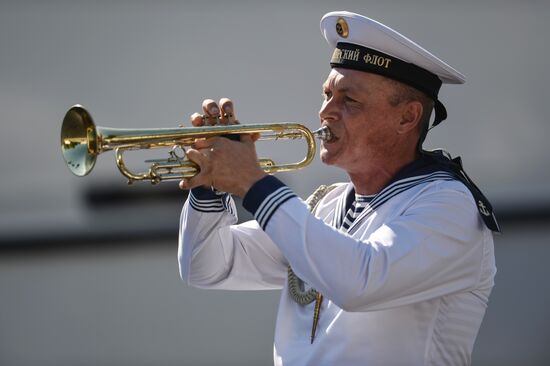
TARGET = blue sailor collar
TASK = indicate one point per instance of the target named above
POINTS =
(431, 166)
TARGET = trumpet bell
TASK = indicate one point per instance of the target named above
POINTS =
(79, 141)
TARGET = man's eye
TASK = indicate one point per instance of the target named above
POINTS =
(327, 95)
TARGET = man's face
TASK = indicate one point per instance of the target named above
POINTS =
(357, 111)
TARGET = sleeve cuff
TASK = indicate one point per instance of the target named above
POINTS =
(203, 193)
(264, 197)
(205, 200)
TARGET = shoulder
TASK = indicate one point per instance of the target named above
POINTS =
(445, 203)
(452, 187)
(451, 190)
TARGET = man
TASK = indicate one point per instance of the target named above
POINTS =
(394, 267)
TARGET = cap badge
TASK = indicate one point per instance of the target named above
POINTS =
(342, 28)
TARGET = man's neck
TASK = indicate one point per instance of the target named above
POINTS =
(376, 175)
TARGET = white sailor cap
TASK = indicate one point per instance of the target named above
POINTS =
(364, 44)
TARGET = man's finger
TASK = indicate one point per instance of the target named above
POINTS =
(203, 177)
(197, 119)
(198, 180)
(203, 143)
(247, 138)
(227, 112)
(211, 112)
(197, 157)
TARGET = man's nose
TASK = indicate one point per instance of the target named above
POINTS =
(329, 110)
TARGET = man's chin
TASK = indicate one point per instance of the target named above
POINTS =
(327, 158)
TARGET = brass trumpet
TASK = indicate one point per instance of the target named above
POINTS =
(82, 141)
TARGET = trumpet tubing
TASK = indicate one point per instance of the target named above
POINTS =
(82, 141)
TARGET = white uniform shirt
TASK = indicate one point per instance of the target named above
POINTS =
(407, 284)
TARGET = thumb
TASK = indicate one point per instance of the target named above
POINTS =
(202, 178)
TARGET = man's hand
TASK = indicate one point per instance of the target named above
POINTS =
(226, 165)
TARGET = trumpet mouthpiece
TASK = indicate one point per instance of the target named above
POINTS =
(323, 133)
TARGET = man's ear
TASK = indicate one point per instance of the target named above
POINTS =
(411, 116)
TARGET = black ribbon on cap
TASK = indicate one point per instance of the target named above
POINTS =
(440, 113)
(352, 56)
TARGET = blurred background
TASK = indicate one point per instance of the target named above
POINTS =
(88, 267)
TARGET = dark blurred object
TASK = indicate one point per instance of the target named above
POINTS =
(104, 195)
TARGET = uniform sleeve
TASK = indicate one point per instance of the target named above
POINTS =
(215, 253)
(436, 247)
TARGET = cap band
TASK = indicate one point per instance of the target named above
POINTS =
(362, 58)
(353, 56)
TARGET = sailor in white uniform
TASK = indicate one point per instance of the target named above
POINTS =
(394, 267)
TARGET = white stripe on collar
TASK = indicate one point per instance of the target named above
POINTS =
(383, 196)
